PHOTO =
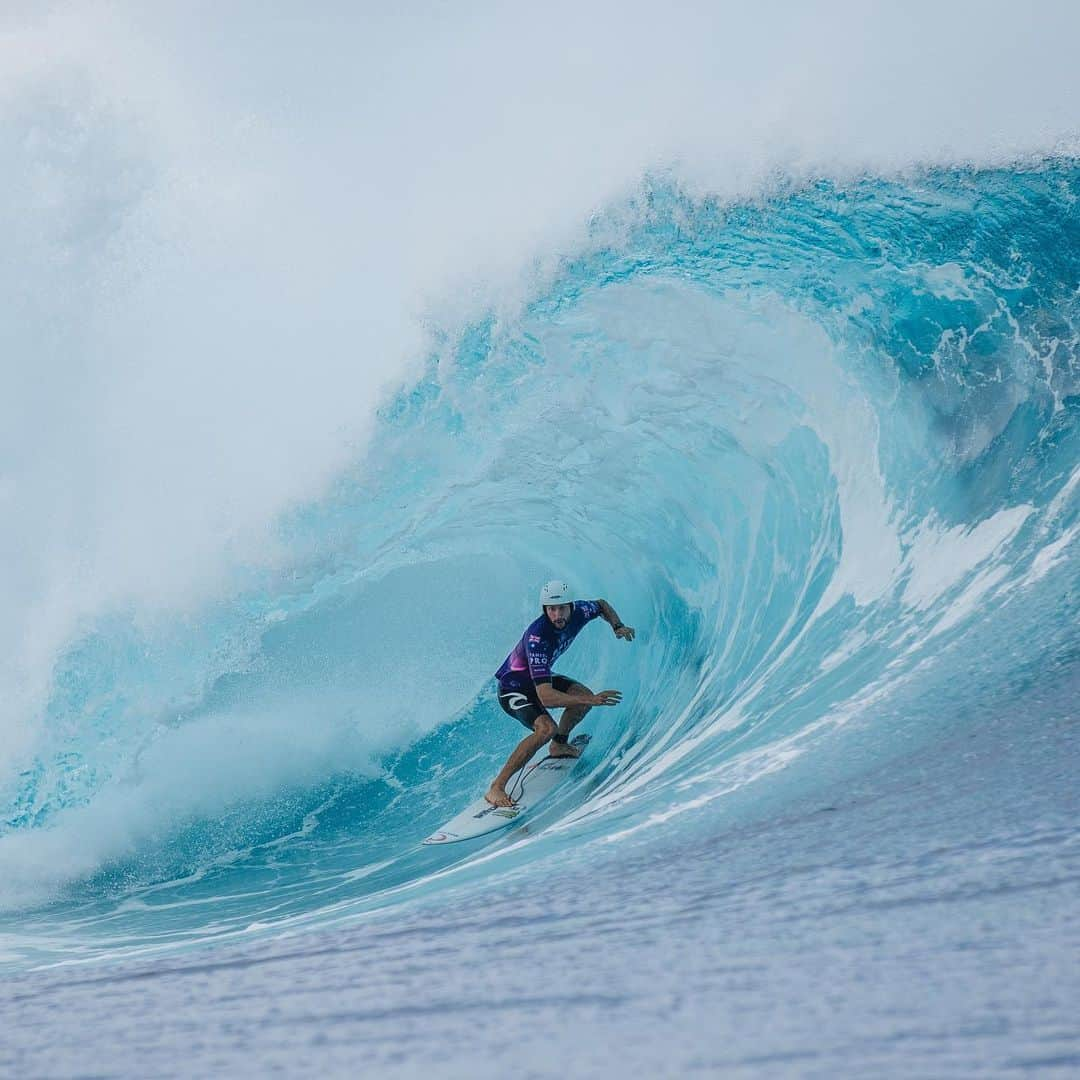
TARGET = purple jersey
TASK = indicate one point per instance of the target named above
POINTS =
(541, 645)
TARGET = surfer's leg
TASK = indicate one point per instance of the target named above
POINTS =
(543, 729)
(571, 717)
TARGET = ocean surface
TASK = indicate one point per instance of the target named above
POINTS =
(814, 432)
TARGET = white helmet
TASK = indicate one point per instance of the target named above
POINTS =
(556, 592)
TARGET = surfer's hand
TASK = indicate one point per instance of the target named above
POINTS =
(607, 697)
(625, 632)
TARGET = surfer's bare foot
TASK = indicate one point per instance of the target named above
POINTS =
(497, 797)
(564, 750)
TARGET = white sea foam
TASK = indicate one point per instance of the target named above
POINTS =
(941, 558)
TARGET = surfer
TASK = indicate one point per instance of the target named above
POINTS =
(528, 688)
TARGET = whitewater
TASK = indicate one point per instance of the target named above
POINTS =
(327, 338)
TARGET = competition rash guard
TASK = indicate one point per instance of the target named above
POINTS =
(541, 645)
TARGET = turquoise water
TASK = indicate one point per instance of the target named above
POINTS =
(822, 451)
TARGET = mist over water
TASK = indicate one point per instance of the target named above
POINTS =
(327, 338)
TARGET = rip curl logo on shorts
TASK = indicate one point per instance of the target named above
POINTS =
(516, 701)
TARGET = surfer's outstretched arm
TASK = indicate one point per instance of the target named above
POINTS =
(610, 616)
(551, 698)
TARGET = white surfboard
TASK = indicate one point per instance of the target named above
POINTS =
(526, 787)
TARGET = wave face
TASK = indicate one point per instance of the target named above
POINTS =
(820, 449)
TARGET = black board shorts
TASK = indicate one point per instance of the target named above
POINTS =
(524, 705)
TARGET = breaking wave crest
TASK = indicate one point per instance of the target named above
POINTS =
(819, 449)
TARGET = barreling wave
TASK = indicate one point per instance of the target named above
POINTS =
(821, 450)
